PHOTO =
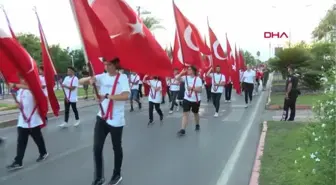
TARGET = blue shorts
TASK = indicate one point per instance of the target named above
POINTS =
(134, 94)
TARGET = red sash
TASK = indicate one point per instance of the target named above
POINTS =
(109, 111)
(25, 118)
(215, 87)
(135, 77)
(153, 95)
(69, 89)
(175, 82)
(189, 93)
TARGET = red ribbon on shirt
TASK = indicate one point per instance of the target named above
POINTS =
(70, 89)
(215, 87)
(25, 118)
(109, 111)
(151, 90)
(135, 77)
(189, 93)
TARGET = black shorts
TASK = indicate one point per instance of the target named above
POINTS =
(193, 106)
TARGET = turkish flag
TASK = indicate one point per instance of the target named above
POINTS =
(234, 72)
(26, 66)
(49, 71)
(218, 56)
(190, 40)
(177, 54)
(242, 64)
(95, 36)
(136, 46)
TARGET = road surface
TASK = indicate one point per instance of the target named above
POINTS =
(217, 155)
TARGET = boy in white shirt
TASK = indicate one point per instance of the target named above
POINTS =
(174, 90)
(70, 86)
(192, 97)
(218, 82)
(154, 97)
(114, 91)
(134, 80)
(43, 84)
(29, 124)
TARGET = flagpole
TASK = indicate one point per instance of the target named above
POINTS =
(85, 54)
(212, 65)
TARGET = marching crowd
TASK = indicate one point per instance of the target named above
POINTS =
(115, 88)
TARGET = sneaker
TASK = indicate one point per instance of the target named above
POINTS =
(161, 119)
(2, 141)
(216, 114)
(98, 181)
(150, 122)
(64, 124)
(226, 101)
(116, 179)
(177, 108)
(77, 123)
(140, 105)
(14, 166)
(170, 112)
(197, 127)
(246, 105)
(131, 110)
(42, 157)
(181, 132)
(229, 101)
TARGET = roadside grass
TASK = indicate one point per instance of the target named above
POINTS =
(81, 93)
(4, 106)
(307, 99)
(280, 153)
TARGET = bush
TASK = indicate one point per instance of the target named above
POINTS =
(317, 150)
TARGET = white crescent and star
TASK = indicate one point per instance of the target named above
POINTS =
(215, 49)
(187, 38)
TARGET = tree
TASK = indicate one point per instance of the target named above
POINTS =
(32, 44)
(326, 25)
(60, 57)
(151, 22)
(249, 58)
(78, 58)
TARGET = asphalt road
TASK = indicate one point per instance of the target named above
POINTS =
(222, 153)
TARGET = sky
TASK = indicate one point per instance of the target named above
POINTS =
(245, 21)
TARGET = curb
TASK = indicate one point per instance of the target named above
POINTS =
(280, 107)
(13, 122)
(254, 180)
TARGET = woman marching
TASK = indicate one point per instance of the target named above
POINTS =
(114, 91)
(249, 79)
(154, 98)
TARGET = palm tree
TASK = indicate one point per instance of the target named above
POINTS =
(151, 22)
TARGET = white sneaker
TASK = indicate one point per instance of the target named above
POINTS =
(229, 101)
(178, 108)
(170, 112)
(77, 123)
(216, 114)
(64, 124)
(246, 105)
(226, 101)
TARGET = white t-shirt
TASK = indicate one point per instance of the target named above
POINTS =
(155, 97)
(241, 72)
(249, 76)
(174, 85)
(217, 78)
(27, 102)
(189, 82)
(43, 83)
(134, 78)
(71, 82)
(105, 83)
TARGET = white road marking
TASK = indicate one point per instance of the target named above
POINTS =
(231, 163)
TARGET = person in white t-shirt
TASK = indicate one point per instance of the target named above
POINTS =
(43, 84)
(134, 80)
(174, 91)
(114, 91)
(218, 83)
(140, 89)
(154, 97)
(249, 79)
(192, 97)
(70, 87)
(29, 124)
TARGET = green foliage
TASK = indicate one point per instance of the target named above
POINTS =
(326, 25)
(249, 58)
(60, 56)
(151, 22)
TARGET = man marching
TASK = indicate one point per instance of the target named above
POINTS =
(192, 97)
(134, 84)
(174, 90)
(114, 91)
(43, 84)
(70, 86)
(29, 124)
(218, 82)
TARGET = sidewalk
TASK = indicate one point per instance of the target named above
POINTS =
(9, 117)
(301, 115)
